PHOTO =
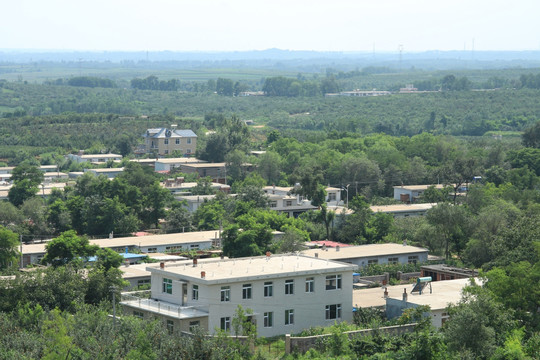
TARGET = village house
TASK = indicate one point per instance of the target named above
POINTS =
(286, 293)
(164, 141)
(363, 255)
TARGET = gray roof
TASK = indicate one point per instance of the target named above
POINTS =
(162, 133)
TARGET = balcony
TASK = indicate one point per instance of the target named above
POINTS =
(162, 307)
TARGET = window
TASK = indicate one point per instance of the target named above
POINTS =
(138, 314)
(152, 250)
(225, 323)
(273, 204)
(166, 151)
(413, 259)
(310, 284)
(143, 282)
(189, 140)
(288, 203)
(333, 282)
(170, 327)
(289, 317)
(166, 142)
(393, 260)
(268, 289)
(289, 287)
(331, 196)
(333, 311)
(373, 262)
(195, 292)
(188, 151)
(194, 246)
(193, 325)
(173, 248)
(177, 141)
(246, 291)
(167, 286)
(225, 293)
(268, 319)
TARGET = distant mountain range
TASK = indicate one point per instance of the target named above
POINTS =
(277, 58)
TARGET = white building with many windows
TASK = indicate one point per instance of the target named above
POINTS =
(287, 293)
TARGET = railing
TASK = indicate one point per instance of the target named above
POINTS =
(162, 307)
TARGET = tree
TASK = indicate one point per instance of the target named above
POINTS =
(8, 248)
(178, 219)
(66, 248)
(531, 136)
(452, 222)
(203, 187)
(477, 324)
(26, 179)
(225, 87)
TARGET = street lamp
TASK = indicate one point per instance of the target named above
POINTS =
(346, 188)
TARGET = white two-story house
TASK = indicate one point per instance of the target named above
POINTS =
(287, 293)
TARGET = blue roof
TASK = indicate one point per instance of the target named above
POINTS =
(124, 255)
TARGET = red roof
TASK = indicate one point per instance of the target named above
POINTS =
(329, 243)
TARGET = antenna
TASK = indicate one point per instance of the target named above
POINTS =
(472, 49)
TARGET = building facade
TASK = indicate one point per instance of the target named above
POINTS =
(164, 141)
(286, 294)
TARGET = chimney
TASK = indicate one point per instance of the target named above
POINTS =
(162, 265)
(385, 293)
(268, 253)
(194, 262)
(405, 295)
(317, 255)
(324, 247)
(337, 248)
(405, 242)
(203, 274)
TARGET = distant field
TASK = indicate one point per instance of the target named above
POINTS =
(38, 73)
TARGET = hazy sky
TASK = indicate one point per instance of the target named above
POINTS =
(217, 25)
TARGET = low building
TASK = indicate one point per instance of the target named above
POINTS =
(216, 171)
(94, 158)
(403, 210)
(441, 295)
(363, 255)
(168, 164)
(164, 141)
(178, 187)
(445, 272)
(411, 193)
(193, 202)
(110, 173)
(198, 240)
(287, 294)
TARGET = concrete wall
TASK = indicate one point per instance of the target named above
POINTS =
(303, 344)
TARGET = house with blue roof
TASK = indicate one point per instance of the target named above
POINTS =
(164, 141)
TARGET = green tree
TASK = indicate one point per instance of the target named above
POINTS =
(26, 179)
(8, 248)
(531, 136)
(478, 324)
(66, 248)
(225, 87)
(452, 222)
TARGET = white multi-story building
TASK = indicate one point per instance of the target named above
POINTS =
(287, 293)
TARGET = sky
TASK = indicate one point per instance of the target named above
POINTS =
(243, 25)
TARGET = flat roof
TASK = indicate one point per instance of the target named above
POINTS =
(398, 208)
(444, 293)
(179, 160)
(364, 251)
(261, 267)
(420, 187)
(205, 165)
(450, 269)
(91, 156)
(149, 240)
(106, 170)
